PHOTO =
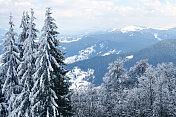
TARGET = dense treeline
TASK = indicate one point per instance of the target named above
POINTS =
(33, 78)
(143, 91)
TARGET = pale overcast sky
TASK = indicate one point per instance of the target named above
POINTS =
(82, 15)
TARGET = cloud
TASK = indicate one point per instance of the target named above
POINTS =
(22, 4)
(94, 14)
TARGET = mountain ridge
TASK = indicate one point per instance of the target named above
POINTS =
(163, 51)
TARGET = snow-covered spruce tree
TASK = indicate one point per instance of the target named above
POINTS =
(26, 69)
(10, 60)
(165, 88)
(134, 103)
(114, 84)
(25, 26)
(86, 102)
(3, 110)
(116, 76)
(147, 84)
(80, 103)
(138, 70)
(50, 90)
(24, 35)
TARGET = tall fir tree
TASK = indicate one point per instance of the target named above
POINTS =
(25, 26)
(10, 62)
(147, 95)
(23, 35)
(138, 70)
(27, 68)
(3, 110)
(114, 84)
(115, 78)
(51, 86)
(165, 90)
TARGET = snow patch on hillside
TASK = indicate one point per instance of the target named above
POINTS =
(80, 78)
(156, 37)
(110, 52)
(83, 54)
(129, 57)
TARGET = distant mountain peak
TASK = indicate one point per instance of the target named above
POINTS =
(132, 28)
(129, 28)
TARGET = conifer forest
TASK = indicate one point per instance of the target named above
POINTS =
(104, 74)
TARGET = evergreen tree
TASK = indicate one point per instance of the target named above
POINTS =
(10, 60)
(165, 89)
(116, 76)
(85, 101)
(27, 68)
(25, 26)
(114, 84)
(138, 70)
(50, 90)
(134, 97)
(24, 34)
(147, 84)
(3, 111)
(155, 94)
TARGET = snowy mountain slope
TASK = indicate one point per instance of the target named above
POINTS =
(125, 40)
(83, 54)
(85, 49)
(98, 49)
(163, 51)
(111, 52)
(80, 78)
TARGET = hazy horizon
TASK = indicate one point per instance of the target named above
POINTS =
(93, 15)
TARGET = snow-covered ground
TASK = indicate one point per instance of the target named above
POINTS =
(129, 57)
(111, 52)
(80, 78)
(96, 49)
(83, 54)
(156, 36)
